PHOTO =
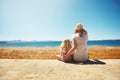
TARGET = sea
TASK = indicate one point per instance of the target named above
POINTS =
(56, 43)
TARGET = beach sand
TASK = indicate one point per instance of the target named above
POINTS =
(36, 69)
(35, 63)
(95, 52)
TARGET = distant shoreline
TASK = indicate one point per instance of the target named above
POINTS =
(19, 43)
(52, 40)
(2, 42)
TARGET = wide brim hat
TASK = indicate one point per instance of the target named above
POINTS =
(78, 26)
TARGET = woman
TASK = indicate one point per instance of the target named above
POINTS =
(79, 45)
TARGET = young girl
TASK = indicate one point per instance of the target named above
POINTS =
(65, 47)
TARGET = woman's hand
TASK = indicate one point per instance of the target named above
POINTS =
(67, 58)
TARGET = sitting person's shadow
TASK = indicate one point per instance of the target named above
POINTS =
(94, 61)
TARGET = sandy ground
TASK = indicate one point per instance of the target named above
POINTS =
(95, 52)
(36, 69)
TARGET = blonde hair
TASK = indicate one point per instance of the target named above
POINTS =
(66, 44)
(81, 31)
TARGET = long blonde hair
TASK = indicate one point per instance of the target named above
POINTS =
(66, 44)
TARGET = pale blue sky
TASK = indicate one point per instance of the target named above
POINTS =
(55, 19)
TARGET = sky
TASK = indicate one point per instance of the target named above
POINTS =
(55, 19)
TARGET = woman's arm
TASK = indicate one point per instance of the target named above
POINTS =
(70, 52)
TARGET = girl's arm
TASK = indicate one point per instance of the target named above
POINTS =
(70, 52)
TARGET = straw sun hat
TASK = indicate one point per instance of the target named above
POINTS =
(78, 26)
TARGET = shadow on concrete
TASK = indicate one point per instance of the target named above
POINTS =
(94, 61)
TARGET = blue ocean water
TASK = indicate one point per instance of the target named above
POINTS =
(57, 43)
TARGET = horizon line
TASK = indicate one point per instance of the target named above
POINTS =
(56, 40)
